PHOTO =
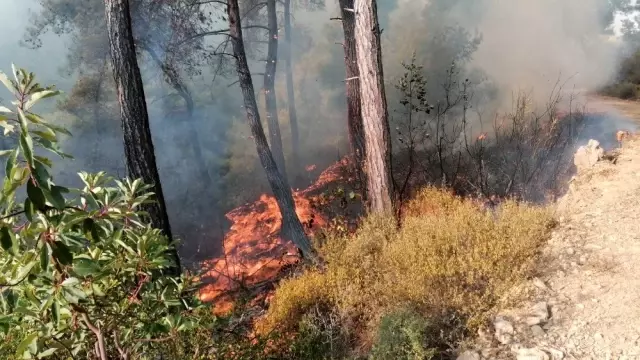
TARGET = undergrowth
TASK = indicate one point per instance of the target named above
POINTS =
(434, 279)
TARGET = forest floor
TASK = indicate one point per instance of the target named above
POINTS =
(585, 301)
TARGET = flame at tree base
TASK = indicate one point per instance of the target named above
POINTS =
(253, 251)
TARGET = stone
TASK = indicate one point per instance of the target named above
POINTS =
(539, 314)
(588, 155)
(532, 354)
(570, 251)
(540, 284)
(537, 331)
(489, 353)
(504, 330)
(555, 353)
(469, 355)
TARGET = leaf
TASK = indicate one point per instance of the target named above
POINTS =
(36, 196)
(55, 312)
(46, 353)
(23, 121)
(73, 295)
(55, 197)
(26, 343)
(7, 240)
(29, 209)
(26, 145)
(85, 267)
(97, 290)
(5, 110)
(39, 96)
(61, 253)
(49, 134)
(58, 129)
(11, 161)
(125, 246)
(41, 174)
(8, 128)
(22, 274)
(70, 281)
(45, 161)
(7, 83)
(45, 257)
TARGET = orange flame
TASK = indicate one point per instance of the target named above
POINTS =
(253, 250)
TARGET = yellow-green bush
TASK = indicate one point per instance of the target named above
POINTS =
(448, 257)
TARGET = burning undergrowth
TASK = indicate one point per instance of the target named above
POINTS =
(253, 253)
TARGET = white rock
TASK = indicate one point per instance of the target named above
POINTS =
(538, 314)
(537, 331)
(504, 330)
(532, 354)
(570, 251)
(540, 284)
(587, 156)
(469, 355)
(555, 353)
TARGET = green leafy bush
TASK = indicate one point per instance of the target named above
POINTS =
(82, 274)
(403, 335)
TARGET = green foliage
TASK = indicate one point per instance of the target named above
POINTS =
(81, 272)
(403, 335)
(627, 85)
(321, 335)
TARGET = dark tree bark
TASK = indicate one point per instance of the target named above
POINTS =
(291, 99)
(138, 145)
(275, 139)
(354, 114)
(173, 78)
(374, 108)
(291, 227)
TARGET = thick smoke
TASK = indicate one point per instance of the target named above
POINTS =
(502, 46)
(525, 45)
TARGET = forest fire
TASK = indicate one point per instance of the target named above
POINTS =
(253, 251)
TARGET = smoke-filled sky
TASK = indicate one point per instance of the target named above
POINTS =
(15, 19)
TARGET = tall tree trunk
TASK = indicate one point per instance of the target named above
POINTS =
(173, 78)
(354, 114)
(291, 99)
(275, 139)
(138, 145)
(291, 226)
(374, 108)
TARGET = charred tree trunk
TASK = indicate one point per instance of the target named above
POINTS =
(291, 99)
(291, 226)
(275, 139)
(374, 108)
(173, 78)
(354, 114)
(138, 145)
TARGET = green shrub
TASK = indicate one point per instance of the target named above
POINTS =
(403, 335)
(82, 275)
(320, 336)
(625, 90)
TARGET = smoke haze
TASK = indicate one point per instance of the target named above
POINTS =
(502, 45)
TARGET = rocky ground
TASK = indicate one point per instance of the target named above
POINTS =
(585, 302)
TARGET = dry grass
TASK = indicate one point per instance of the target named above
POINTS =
(449, 257)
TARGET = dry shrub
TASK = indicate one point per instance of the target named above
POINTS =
(449, 257)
